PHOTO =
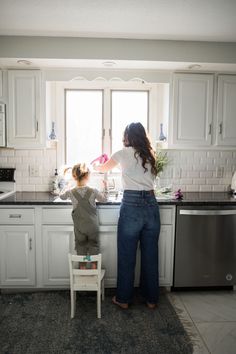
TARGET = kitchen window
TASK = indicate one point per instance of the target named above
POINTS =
(84, 120)
(91, 116)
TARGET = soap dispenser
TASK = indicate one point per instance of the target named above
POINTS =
(233, 184)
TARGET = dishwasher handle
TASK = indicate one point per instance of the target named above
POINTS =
(207, 212)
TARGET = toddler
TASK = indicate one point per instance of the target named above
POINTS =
(84, 212)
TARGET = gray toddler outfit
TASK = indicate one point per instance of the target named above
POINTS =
(85, 218)
(85, 224)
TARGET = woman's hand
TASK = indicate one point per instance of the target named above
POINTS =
(107, 166)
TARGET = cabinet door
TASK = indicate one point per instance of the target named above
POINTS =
(108, 249)
(24, 124)
(192, 110)
(1, 83)
(226, 110)
(17, 255)
(166, 246)
(58, 241)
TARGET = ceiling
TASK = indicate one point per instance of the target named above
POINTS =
(194, 20)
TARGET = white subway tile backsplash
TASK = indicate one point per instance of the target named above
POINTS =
(192, 188)
(200, 181)
(213, 154)
(220, 161)
(26, 188)
(228, 174)
(199, 166)
(177, 172)
(35, 180)
(212, 181)
(218, 188)
(35, 153)
(28, 160)
(205, 188)
(7, 152)
(14, 160)
(206, 174)
(186, 181)
(3, 160)
(21, 153)
(187, 154)
(43, 188)
(225, 181)
(198, 169)
(200, 154)
(193, 174)
(211, 167)
(207, 160)
(188, 170)
(226, 154)
(23, 167)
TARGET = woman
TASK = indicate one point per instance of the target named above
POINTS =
(139, 219)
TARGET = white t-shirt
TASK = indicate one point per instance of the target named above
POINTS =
(134, 176)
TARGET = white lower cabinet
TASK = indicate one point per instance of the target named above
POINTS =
(55, 239)
(57, 242)
(166, 253)
(17, 245)
(108, 246)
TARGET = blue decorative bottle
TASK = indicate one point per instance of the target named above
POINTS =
(162, 137)
(52, 135)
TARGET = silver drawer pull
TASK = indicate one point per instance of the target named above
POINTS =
(207, 212)
(15, 216)
(30, 243)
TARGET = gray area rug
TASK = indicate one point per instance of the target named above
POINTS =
(39, 323)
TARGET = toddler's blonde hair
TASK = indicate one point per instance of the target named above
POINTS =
(80, 171)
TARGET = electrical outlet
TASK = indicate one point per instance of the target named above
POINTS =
(219, 171)
(34, 171)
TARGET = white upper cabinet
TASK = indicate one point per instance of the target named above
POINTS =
(226, 110)
(25, 123)
(192, 110)
(1, 83)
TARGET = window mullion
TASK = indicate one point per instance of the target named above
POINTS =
(107, 121)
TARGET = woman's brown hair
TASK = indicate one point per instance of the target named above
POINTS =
(80, 171)
(135, 136)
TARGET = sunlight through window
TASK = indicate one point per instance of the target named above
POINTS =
(127, 107)
(83, 125)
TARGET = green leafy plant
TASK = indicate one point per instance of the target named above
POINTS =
(161, 161)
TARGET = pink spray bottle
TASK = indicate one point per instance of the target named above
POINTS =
(102, 159)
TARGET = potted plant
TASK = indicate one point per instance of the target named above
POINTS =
(161, 161)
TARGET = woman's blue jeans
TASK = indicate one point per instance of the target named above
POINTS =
(139, 221)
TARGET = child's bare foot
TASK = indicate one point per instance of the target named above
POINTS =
(120, 304)
(151, 306)
(82, 265)
(94, 265)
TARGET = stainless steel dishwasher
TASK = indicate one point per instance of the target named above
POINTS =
(205, 246)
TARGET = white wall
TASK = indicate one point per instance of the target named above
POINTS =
(116, 49)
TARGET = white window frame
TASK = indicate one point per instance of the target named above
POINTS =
(59, 88)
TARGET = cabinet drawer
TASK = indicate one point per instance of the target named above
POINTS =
(57, 216)
(166, 215)
(17, 216)
(108, 216)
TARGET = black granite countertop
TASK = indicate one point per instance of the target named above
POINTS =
(190, 198)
